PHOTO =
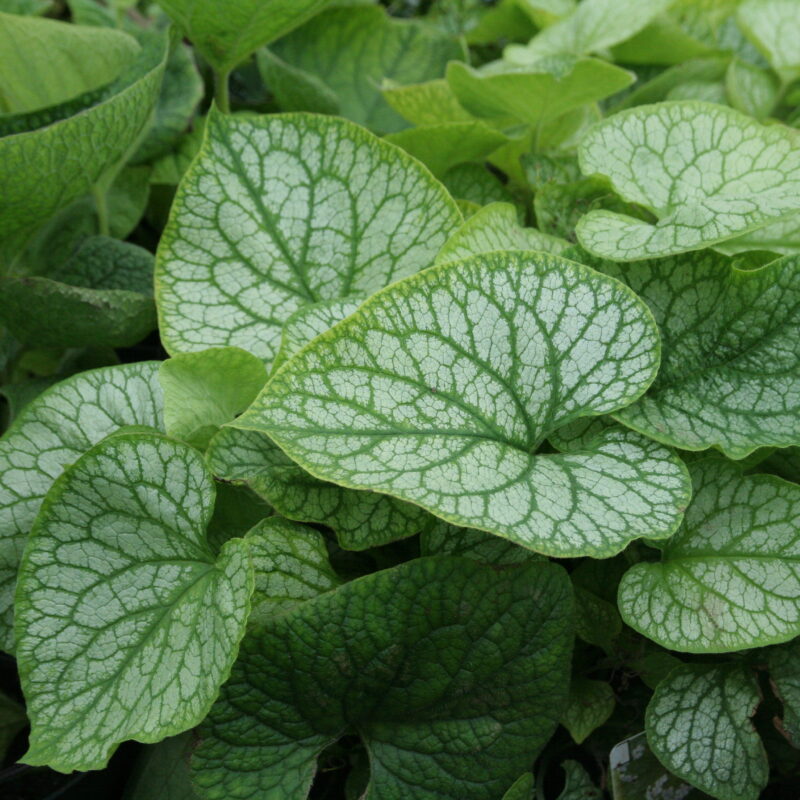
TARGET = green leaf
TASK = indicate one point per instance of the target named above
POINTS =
(295, 89)
(236, 511)
(32, 7)
(12, 720)
(698, 725)
(442, 386)
(428, 103)
(590, 704)
(45, 170)
(730, 373)
(774, 27)
(227, 36)
(446, 144)
(594, 25)
(535, 93)
(578, 785)
(360, 519)
(662, 42)
(495, 227)
(784, 673)
(281, 211)
(751, 89)
(442, 538)
(778, 237)
(291, 565)
(162, 771)
(473, 183)
(466, 727)
(204, 390)
(522, 788)
(126, 624)
(59, 61)
(354, 50)
(707, 172)
(48, 435)
(729, 579)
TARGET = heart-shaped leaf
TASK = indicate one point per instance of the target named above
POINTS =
(707, 172)
(440, 389)
(282, 211)
(127, 624)
(453, 674)
(729, 579)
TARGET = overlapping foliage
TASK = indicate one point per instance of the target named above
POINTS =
(473, 448)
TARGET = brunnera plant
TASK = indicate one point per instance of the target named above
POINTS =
(400, 400)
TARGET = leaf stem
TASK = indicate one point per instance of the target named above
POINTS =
(221, 96)
(101, 204)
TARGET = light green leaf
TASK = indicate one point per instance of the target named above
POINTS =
(535, 93)
(495, 227)
(593, 26)
(751, 89)
(578, 785)
(522, 788)
(784, 673)
(590, 704)
(707, 172)
(295, 89)
(281, 211)
(729, 579)
(703, 91)
(662, 42)
(12, 720)
(126, 623)
(441, 538)
(774, 28)
(360, 519)
(441, 387)
(291, 565)
(45, 170)
(162, 771)
(310, 321)
(31, 7)
(204, 390)
(473, 183)
(446, 144)
(428, 103)
(698, 725)
(59, 61)
(467, 728)
(730, 373)
(227, 35)
(354, 50)
(48, 435)
(777, 237)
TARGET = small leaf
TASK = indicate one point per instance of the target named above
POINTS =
(440, 389)
(204, 390)
(295, 89)
(522, 788)
(708, 173)
(590, 704)
(354, 50)
(784, 673)
(774, 27)
(495, 227)
(729, 579)
(360, 519)
(427, 103)
(49, 434)
(500, 643)
(291, 565)
(698, 725)
(532, 94)
(578, 784)
(281, 211)
(126, 624)
(751, 89)
(227, 36)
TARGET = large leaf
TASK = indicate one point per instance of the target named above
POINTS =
(227, 35)
(127, 624)
(360, 519)
(59, 61)
(774, 27)
(707, 172)
(281, 211)
(535, 93)
(730, 374)
(729, 579)
(453, 674)
(440, 389)
(49, 434)
(698, 725)
(353, 50)
(44, 170)
(593, 26)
